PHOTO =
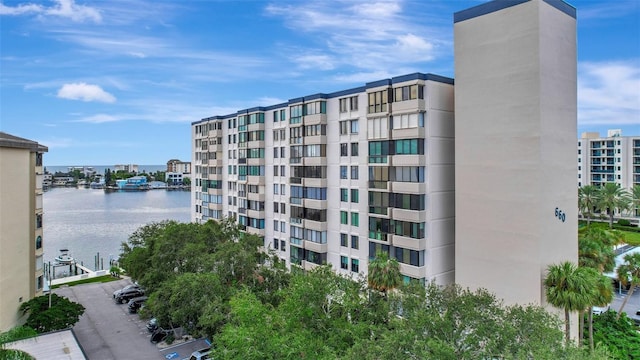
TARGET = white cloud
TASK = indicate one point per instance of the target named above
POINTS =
(99, 119)
(63, 8)
(609, 93)
(20, 9)
(371, 38)
(85, 92)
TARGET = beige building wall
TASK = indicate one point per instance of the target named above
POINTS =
(515, 105)
(21, 266)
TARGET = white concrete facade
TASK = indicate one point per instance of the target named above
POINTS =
(516, 114)
(311, 165)
(21, 227)
(614, 158)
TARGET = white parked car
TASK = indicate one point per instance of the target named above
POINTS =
(597, 310)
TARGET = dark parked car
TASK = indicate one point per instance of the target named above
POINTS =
(126, 295)
(136, 303)
(152, 325)
(126, 288)
(158, 335)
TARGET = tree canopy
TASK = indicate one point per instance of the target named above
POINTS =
(62, 314)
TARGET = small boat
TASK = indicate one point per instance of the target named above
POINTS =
(64, 257)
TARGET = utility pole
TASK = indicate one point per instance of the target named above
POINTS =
(49, 276)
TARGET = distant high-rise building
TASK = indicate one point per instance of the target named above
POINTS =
(611, 159)
(21, 235)
(177, 166)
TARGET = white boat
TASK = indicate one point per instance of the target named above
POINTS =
(64, 257)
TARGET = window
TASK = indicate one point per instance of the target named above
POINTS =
(275, 152)
(276, 242)
(354, 195)
(344, 195)
(406, 121)
(354, 126)
(344, 262)
(283, 208)
(355, 240)
(275, 132)
(354, 149)
(344, 150)
(283, 227)
(282, 189)
(282, 171)
(343, 172)
(283, 245)
(343, 240)
(275, 170)
(38, 221)
(354, 172)
(378, 128)
(355, 265)
(410, 92)
(276, 188)
(355, 219)
(39, 242)
(344, 127)
(282, 152)
(378, 101)
(344, 217)
(349, 104)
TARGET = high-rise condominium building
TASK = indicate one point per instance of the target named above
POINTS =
(516, 125)
(335, 178)
(611, 159)
(21, 262)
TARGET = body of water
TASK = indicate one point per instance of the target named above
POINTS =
(91, 221)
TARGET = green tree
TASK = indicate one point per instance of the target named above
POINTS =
(612, 198)
(568, 287)
(629, 274)
(602, 297)
(186, 181)
(15, 334)
(62, 314)
(635, 199)
(587, 201)
(618, 335)
(383, 273)
(107, 176)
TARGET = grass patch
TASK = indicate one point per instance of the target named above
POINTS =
(630, 237)
(97, 279)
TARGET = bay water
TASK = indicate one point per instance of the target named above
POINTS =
(88, 222)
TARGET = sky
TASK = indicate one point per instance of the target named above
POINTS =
(121, 81)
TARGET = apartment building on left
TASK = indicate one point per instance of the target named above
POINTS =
(21, 227)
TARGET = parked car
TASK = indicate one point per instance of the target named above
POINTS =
(127, 295)
(201, 354)
(152, 325)
(126, 288)
(597, 310)
(158, 335)
(136, 303)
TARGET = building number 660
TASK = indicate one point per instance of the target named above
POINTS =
(560, 214)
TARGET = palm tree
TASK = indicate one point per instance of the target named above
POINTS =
(629, 274)
(568, 287)
(587, 200)
(595, 248)
(602, 297)
(635, 199)
(384, 273)
(612, 197)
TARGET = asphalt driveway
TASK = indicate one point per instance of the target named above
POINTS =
(107, 331)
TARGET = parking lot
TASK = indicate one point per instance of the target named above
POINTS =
(107, 330)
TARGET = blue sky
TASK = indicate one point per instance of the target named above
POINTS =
(120, 81)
